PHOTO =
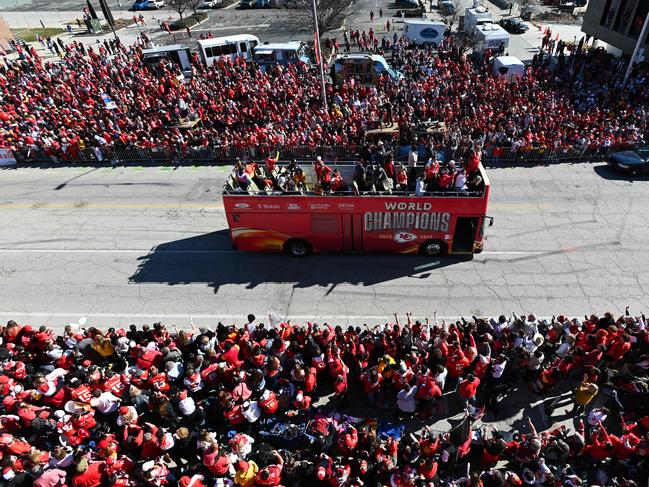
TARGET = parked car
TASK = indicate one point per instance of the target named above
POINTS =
(148, 5)
(407, 3)
(210, 3)
(567, 5)
(446, 7)
(243, 4)
(514, 26)
(631, 161)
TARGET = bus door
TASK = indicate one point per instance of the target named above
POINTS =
(465, 228)
(352, 233)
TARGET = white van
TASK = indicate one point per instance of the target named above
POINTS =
(283, 53)
(424, 32)
(476, 16)
(177, 53)
(509, 67)
(233, 46)
(489, 36)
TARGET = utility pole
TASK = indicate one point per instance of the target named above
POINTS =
(318, 55)
(641, 39)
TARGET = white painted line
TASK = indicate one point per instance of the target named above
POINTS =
(115, 251)
(267, 22)
(425, 266)
(209, 251)
(231, 6)
(44, 314)
(232, 27)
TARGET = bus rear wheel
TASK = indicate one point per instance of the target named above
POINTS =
(297, 248)
(433, 248)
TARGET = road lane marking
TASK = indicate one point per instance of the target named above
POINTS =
(267, 22)
(179, 206)
(426, 266)
(188, 316)
(109, 206)
(230, 251)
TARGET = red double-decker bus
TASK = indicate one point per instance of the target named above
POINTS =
(397, 222)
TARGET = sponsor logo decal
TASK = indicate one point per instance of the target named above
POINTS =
(293, 206)
(346, 206)
(267, 206)
(241, 206)
(402, 237)
(319, 206)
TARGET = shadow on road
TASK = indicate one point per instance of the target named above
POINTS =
(209, 259)
(606, 172)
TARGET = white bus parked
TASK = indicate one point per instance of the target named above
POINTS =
(232, 46)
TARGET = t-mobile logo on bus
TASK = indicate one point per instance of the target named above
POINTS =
(380, 221)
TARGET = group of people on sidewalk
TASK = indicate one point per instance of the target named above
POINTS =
(294, 405)
(61, 108)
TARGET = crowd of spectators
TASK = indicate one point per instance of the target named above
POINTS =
(375, 172)
(295, 405)
(59, 107)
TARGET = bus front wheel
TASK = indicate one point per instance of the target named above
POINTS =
(433, 248)
(297, 248)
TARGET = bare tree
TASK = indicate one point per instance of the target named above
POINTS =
(331, 13)
(179, 6)
(193, 4)
(524, 5)
(459, 6)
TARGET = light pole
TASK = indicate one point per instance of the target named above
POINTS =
(318, 56)
(641, 38)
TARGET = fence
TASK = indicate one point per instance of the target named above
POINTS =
(226, 155)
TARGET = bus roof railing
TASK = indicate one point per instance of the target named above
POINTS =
(429, 194)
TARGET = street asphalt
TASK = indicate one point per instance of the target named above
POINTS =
(135, 245)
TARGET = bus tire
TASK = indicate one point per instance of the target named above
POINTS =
(433, 248)
(297, 248)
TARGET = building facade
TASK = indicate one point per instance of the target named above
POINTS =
(617, 22)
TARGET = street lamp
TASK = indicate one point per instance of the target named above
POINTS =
(318, 56)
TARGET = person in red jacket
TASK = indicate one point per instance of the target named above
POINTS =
(341, 395)
(323, 174)
(271, 475)
(619, 348)
(427, 393)
(268, 402)
(468, 388)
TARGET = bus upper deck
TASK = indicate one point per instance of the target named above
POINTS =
(347, 179)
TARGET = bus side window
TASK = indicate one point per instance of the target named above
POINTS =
(243, 46)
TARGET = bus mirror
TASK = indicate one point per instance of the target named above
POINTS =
(491, 222)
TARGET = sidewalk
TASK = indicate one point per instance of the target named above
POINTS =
(127, 35)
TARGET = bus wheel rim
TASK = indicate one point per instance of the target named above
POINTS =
(433, 248)
(298, 248)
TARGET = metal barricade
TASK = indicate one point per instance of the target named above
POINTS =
(336, 153)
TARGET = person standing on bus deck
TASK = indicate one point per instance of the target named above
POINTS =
(323, 174)
(413, 155)
(337, 182)
(420, 186)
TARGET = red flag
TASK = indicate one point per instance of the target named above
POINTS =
(316, 45)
